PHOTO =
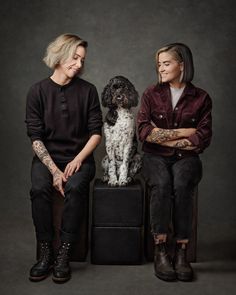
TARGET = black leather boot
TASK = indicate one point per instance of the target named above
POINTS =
(61, 270)
(162, 263)
(183, 269)
(44, 265)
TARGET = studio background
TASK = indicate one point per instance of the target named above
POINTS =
(123, 37)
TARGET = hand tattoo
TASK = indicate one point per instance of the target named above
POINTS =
(162, 135)
(182, 144)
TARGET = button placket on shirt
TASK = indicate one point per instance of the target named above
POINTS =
(63, 102)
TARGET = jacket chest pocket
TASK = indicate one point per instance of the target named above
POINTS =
(159, 119)
(189, 120)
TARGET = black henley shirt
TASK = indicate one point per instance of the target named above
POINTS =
(63, 117)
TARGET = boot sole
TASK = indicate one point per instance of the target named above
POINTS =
(38, 279)
(184, 278)
(41, 278)
(166, 278)
(60, 280)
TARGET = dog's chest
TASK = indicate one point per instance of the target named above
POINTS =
(124, 125)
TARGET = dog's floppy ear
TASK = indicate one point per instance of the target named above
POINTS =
(111, 117)
(106, 96)
(133, 96)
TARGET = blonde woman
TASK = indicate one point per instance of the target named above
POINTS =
(64, 121)
(174, 124)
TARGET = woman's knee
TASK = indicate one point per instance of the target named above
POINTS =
(183, 188)
(76, 187)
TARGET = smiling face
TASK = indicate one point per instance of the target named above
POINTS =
(73, 65)
(169, 68)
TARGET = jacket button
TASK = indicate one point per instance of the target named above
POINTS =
(176, 108)
(160, 116)
(179, 155)
(175, 124)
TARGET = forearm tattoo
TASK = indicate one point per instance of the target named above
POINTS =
(162, 135)
(182, 144)
(56, 175)
(42, 153)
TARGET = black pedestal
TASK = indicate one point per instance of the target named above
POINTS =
(117, 245)
(117, 224)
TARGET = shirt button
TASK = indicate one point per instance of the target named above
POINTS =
(64, 107)
(175, 124)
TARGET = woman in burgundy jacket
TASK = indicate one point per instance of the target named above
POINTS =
(175, 126)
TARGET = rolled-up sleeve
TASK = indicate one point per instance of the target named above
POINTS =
(34, 120)
(94, 113)
(144, 118)
(202, 138)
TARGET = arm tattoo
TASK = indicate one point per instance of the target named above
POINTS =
(56, 175)
(162, 135)
(42, 153)
(182, 144)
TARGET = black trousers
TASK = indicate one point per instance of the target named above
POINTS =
(171, 181)
(76, 193)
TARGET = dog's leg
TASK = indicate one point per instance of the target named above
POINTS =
(110, 149)
(112, 181)
(135, 166)
(123, 178)
(105, 165)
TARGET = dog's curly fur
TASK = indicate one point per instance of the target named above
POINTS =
(122, 161)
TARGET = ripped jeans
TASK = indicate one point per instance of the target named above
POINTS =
(171, 181)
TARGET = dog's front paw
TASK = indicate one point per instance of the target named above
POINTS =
(105, 178)
(113, 183)
(123, 181)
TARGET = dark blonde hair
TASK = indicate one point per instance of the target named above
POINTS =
(182, 54)
(62, 48)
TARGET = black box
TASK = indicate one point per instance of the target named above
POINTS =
(117, 245)
(117, 224)
(117, 206)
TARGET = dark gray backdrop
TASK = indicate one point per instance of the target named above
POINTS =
(123, 37)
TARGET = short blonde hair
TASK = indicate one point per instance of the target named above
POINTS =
(182, 54)
(62, 48)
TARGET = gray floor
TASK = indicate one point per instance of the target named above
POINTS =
(215, 269)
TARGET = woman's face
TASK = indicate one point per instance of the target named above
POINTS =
(169, 68)
(72, 66)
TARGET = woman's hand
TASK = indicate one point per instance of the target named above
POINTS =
(72, 167)
(183, 144)
(58, 180)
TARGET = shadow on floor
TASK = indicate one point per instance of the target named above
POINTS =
(217, 250)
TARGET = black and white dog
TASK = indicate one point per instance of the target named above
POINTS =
(122, 161)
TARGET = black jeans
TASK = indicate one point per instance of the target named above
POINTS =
(171, 181)
(76, 193)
